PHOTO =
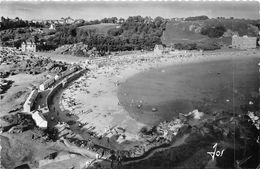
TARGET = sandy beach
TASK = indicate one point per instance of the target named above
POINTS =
(93, 97)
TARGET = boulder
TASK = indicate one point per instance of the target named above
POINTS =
(154, 109)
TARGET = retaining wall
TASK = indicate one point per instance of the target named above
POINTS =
(29, 103)
(56, 88)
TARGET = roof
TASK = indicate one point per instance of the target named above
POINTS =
(48, 81)
(39, 118)
(29, 41)
(159, 47)
(31, 97)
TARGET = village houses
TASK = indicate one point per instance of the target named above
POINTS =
(28, 46)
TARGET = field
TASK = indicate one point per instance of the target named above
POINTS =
(102, 28)
(242, 27)
(177, 32)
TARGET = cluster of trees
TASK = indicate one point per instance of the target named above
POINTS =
(14, 37)
(14, 31)
(104, 20)
(135, 33)
(213, 32)
(196, 18)
(112, 20)
(7, 23)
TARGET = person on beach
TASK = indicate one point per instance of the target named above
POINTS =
(112, 158)
(119, 161)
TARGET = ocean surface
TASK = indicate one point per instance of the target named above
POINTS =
(162, 93)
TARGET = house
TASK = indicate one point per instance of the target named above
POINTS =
(34, 21)
(40, 31)
(244, 42)
(52, 27)
(57, 77)
(40, 120)
(158, 50)
(46, 84)
(28, 46)
(177, 19)
(69, 20)
(61, 21)
(55, 22)
(79, 21)
(28, 104)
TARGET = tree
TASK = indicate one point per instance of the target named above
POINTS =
(121, 20)
(158, 21)
(196, 18)
(2, 19)
(73, 32)
(214, 32)
(135, 32)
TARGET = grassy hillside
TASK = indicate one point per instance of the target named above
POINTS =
(240, 26)
(190, 31)
(101, 28)
(181, 32)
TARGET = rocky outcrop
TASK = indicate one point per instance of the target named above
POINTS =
(78, 49)
(17, 62)
(5, 85)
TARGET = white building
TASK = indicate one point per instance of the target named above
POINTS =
(28, 46)
(61, 21)
(77, 21)
(52, 27)
(40, 120)
(57, 77)
(69, 20)
(28, 105)
(46, 84)
(158, 50)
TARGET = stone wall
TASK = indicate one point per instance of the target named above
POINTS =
(60, 85)
(51, 94)
(28, 104)
(244, 42)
